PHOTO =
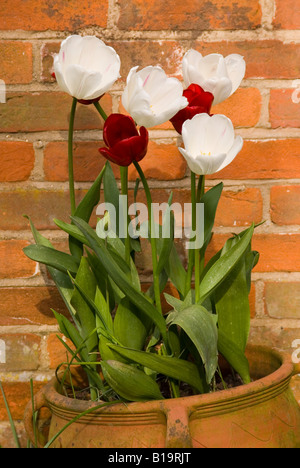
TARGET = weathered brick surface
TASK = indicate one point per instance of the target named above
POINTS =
(36, 112)
(243, 107)
(55, 15)
(18, 395)
(22, 352)
(282, 299)
(16, 161)
(284, 112)
(14, 263)
(199, 15)
(285, 204)
(287, 15)
(30, 305)
(265, 159)
(16, 62)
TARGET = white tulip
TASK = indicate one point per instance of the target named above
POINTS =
(85, 67)
(214, 73)
(210, 143)
(152, 98)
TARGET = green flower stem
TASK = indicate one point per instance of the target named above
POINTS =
(124, 188)
(152, 239)
(70, 157)
(191, 259)
(100, 110)
(198, 261)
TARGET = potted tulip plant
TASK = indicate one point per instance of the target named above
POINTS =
(155, 379)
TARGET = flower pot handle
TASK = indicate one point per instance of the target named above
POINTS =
(296, 369)
(178, 432)
(39, 402)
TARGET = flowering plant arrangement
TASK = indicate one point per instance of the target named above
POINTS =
(128, 348)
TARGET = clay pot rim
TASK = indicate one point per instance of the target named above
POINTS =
(264, 388)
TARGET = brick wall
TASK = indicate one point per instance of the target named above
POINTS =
(261, 184)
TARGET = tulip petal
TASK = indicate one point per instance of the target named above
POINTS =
(87, 68)
(82, 83)
(236, 69)
(118, 127)
(233, 152)
(203, 164)
(220, 134)
(59, 75)
(152, 98)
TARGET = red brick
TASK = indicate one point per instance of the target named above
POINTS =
(167, 54)
(162, 162)
(264, 159)
(239, 208)
(278, 252)
(243, 107)
(30, 306)
(16, 161)
(14, 263)
(285, 205)
(88, 162)
(56, 351)
(57, 15)
(25, 112)
(282, 300)
(41, 205)
(287, 14)
(22, 352)
(275, 336)
(202, 15)
(16, 62)
(18, 395)
(264, 59)
(283, 111)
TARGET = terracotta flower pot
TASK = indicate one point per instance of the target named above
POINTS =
(262, 414)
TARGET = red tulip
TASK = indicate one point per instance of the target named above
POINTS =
(125, 143)
(200, 102)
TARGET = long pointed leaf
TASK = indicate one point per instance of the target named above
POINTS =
(53, 258)
(224, 265)
(141, 302)
(175, 368)
(130, 383)
(201, 328)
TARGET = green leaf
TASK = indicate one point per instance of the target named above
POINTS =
(71, 332)
(176, 271)
(111, 192)
(201, 328)
(70, 229)
(231, 301)
(224, 265)
(53, 258)
(84, 211)
(87, 283)
(136, 297)
(167, 243)
(210, 200)
(104, 310)
(175, 368)
(85, 208)
(234, 356)
(130, 383)
(130, 328)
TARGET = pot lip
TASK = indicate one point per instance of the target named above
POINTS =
(264, 388)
